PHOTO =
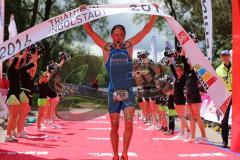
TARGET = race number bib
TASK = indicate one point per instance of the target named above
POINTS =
(120, 95)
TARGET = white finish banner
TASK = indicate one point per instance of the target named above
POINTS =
(213, 85)
(207, 19)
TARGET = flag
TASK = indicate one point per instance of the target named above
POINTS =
(207, 18)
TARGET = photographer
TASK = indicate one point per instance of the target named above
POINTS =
(54, 87)
(137, 75)
(160, 97)
(149, 90)
(171, 53)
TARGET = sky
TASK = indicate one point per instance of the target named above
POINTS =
(131, 30)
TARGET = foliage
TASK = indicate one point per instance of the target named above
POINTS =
(81, 69)
(189, 14)
(31, 12)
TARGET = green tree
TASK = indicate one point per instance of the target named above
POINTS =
(31, 12)
(189, 14)
(81, 69)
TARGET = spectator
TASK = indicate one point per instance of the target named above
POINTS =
(224, 71)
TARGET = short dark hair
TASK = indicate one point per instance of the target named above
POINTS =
(118, 26)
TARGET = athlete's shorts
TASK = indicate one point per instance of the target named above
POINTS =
(117, 106)
(42, 102)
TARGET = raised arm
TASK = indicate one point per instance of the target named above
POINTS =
(34, 60)
(173, 71)
(140, 35)
(187, 67)
(95, 37)
(173, 68)
(45, 74)
(61, 63)
(13, 61)
(23, 58)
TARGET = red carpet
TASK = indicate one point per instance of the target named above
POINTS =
(89, 140)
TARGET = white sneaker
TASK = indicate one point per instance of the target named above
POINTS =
(150, 128)
(11, 139)
(43, 126)
(142, 118)
(145, 121)
(14, 133)
(189, 140)
(156, 127)
(40, 129)
(48, 122)
(201, 140)
(22, 134)
(147, 124)
(187, 135)
(178, 137)
(25, 132)
(56, 126)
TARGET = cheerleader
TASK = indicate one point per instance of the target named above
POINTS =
(42, 100)
(13, 100)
